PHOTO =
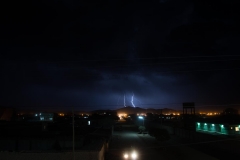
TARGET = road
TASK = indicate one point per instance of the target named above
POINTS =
(149, 148)
(144, 145)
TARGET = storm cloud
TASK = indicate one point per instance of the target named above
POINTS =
(90, 54)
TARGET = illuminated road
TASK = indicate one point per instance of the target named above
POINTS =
(126, 139)
(150, 149)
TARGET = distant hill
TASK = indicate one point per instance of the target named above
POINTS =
(132, 110)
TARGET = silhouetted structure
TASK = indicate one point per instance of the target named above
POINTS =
(189, 106)
(230, 111)
(189, 117)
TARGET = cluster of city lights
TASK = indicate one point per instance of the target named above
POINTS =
(210, 113)
(121, 115)
(168, 114)
(141, 114)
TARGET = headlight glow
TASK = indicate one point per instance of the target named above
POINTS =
(134, 155)
(125, 156)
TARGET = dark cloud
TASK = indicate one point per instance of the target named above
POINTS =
(90, 53)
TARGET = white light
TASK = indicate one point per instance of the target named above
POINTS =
(140, 117)
(40, 114)
(89, 123)
(36, 115)
(125, 156)
(134, 155)
(85, 117)
(132, 101)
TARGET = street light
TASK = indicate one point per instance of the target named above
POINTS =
(141, 117)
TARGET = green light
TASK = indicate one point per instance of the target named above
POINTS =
(222, 126)
(205, 124)
(198, 123)
(213, 125)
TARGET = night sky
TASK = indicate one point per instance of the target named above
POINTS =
(88, 54)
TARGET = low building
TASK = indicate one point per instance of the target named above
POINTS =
(223, 128)
(46, 116)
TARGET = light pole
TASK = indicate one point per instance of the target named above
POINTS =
(143, 128)
(73, 134)
(141, 117)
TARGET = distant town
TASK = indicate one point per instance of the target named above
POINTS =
(11, 114)
(95, 134)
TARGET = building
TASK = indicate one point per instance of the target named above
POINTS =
(45, 116)
(223, 128)
(188, 115)
(227, 125)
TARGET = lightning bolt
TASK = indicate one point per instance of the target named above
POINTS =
(124, 101)
(132, 101)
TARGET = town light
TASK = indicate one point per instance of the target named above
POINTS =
(125, 156)
(140, 117)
